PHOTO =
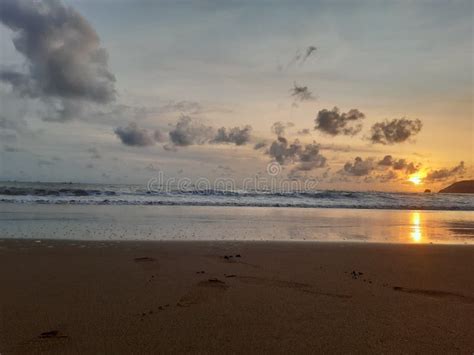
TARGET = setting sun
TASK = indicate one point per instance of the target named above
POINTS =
(415, 179)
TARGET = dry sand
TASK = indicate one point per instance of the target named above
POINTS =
(174, 297)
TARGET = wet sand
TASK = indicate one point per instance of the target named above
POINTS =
(235, 297)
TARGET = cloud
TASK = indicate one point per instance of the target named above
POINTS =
(390, 175)
(279, 128)
(334, 123)
(300, 56)
(309, 158)
(236, 135)
(397, 130)
(189, 131)
(359, 167)
(306, 157)
(412, 168)
(444, 174)
(169, 148)
(135, 136)
(282, 152)
(386, 161)
(304, 132)
(18, 126)
(302, 93)
(159, 136)
(64, 60)
(400, 164)
(309, 51)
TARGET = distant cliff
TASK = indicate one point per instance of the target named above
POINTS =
(465, 186)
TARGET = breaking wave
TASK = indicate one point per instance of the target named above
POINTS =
(86, 194)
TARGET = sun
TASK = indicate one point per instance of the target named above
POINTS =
(415, 179)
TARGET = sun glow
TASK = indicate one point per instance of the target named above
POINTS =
(415, 179)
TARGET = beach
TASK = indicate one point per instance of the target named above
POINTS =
(236, 177)
(234, 297)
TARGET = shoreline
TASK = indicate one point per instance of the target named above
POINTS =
(344, 243)
(235, 205)
(242, 223)
(237, 297)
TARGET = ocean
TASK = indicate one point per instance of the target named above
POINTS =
(109, 194)
(80, 212)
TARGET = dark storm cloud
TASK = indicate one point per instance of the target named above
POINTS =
(444, 174)
(64, 60)
(301, 93)
(359, 167)
(306, 157)
(189, 131)
(135, 136)
(236, 135)
(397, 130)
(335, 123)
(279, 128)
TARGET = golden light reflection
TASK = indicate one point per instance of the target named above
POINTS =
(416, 233)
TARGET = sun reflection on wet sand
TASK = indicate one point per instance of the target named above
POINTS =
(416, 234)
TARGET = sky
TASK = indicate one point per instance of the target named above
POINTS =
(359, 95)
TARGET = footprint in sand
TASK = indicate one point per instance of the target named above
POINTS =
(436, 294)
(203, 291)
(147, 263)
(52, 334)
(143, 259)
(298, 286)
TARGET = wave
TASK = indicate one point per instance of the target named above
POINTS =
(82, 194)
